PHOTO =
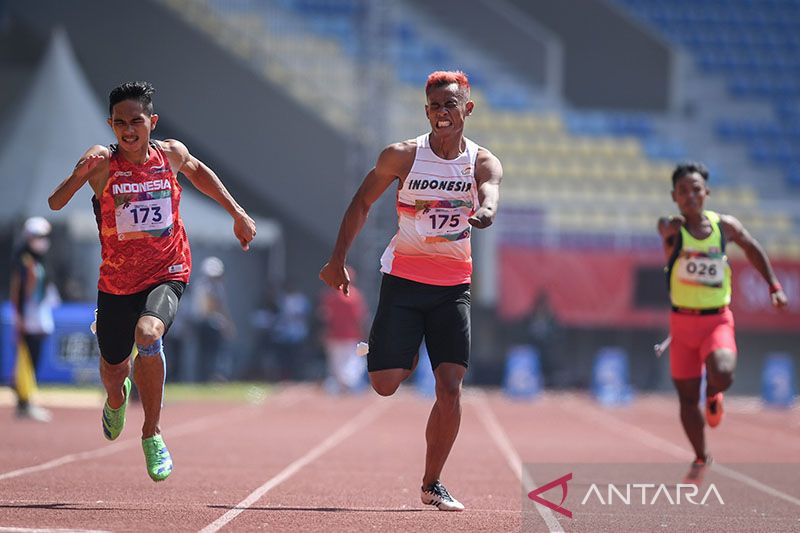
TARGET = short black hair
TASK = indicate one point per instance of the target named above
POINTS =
(689, 168)
(141, 91)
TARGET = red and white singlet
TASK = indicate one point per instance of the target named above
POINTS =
(142, 237)
(432, 244)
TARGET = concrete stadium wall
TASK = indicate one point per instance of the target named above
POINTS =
(609, 60)
(485, 25)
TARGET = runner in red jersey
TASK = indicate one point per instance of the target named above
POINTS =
(146, 257)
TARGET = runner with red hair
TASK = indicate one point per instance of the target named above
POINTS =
(446, 77)
(446, 186)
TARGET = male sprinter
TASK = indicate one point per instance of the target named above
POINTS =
(701, 324)
(447, 185)
(145, 254)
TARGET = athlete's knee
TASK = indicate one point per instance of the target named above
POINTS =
(721, 362)
(448, 390)
(148, 332)
(385, 387)
(386, 382)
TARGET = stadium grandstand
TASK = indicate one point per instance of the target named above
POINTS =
(304, 93)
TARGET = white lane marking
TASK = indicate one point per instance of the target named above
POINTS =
(361, 419)
(181, 429)
(503, 443)
(659, 443)
(282, 399)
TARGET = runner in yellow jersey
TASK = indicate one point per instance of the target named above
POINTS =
(701, 323)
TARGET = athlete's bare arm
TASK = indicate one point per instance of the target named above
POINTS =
(394, 163)
(668, 228)
(92, 167)
(735, 232)
(488, 175)
(206, 181)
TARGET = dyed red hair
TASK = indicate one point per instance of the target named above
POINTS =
(441, 78)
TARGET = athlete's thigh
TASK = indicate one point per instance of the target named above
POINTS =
(719, 347)
(162, 302)
(447, 328)
(685, 357)
(116, 324)
(397, 329)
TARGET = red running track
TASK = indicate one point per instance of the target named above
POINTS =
(304, 461)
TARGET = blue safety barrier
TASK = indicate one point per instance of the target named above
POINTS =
(69, 355)
(523, 375)
(610, 377)
(778, 381)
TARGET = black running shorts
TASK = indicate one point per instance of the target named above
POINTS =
(407, 312)
(117, 316)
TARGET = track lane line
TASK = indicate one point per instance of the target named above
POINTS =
(364, 417)
(670, 448)
(503, 443)
(177, 431)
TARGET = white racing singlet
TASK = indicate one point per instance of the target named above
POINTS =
(432, 244)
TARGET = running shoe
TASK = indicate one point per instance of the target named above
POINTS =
(34, 412)
(714, 410)
(697, 471)
(435, 494)
(157, 457)
(114, 419)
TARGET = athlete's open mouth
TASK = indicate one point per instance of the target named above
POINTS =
(130, 140)
(443, 124)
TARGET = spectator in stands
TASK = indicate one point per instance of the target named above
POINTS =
(446, 185)
(213, 322)
(343, 320)
(545, 333)
(701, 324)
(265, 362)
(290, 333)
(33, 297)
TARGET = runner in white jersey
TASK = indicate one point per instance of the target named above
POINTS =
(432, 244)
(447, 185)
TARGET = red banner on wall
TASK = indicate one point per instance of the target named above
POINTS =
(616, 289)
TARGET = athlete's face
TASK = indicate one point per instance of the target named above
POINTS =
(690, 193)
(132, 125)
(447, 108)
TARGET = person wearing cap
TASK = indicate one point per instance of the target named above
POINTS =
(33, 297)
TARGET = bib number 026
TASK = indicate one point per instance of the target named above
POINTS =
(701, 269)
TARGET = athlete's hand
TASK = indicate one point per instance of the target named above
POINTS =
(676, 222)
(335, 276)
(482, 218)
(87, 164)
(779, 299)
(244, 228)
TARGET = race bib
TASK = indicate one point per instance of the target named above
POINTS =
(438, 222)
(702, 270)
(144, 218)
